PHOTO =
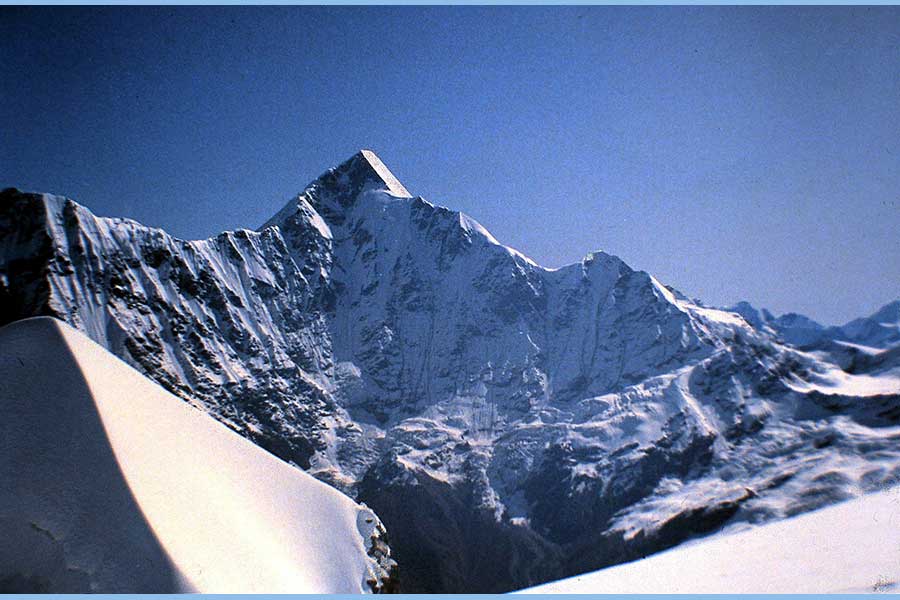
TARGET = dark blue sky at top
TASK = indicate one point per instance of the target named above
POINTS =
(735, 153)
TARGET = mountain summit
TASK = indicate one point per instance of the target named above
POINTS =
(362, 171)
(392, 183)
(509, 424)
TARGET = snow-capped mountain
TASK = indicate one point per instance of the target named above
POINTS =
(880, 331)
(510, 424)
(866, 344)
(111, 484)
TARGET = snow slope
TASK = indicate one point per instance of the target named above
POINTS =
(848, 548)
(112, 484)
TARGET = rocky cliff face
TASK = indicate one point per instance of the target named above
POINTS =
(510, 424)
(231, 323)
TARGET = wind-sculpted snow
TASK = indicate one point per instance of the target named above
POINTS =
(510, 424)
(111, 484)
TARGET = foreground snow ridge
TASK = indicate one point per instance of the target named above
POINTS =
(111, 484)
(848, 548)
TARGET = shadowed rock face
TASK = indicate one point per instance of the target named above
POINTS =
(510, 424)
(446, 542)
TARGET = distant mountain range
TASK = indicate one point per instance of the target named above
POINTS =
(860, 344)
(879, 331)
(510, 424)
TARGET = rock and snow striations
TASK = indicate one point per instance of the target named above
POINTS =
(111, 484)
(510, 424)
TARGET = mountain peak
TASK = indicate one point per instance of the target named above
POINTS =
(339, 187)
(890, 312)
(366, 165)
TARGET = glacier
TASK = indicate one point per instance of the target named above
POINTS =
(510, 424)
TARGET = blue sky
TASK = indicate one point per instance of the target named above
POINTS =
(735, 153)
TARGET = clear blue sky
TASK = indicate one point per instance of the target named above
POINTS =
(735, 153)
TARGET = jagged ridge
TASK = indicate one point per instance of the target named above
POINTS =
(491, 411)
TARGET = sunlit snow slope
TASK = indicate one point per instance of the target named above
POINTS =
(852, 547)
(110, 483)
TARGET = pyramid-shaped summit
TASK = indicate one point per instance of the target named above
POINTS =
(383, 173)
(339, 188)
(361, 171)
